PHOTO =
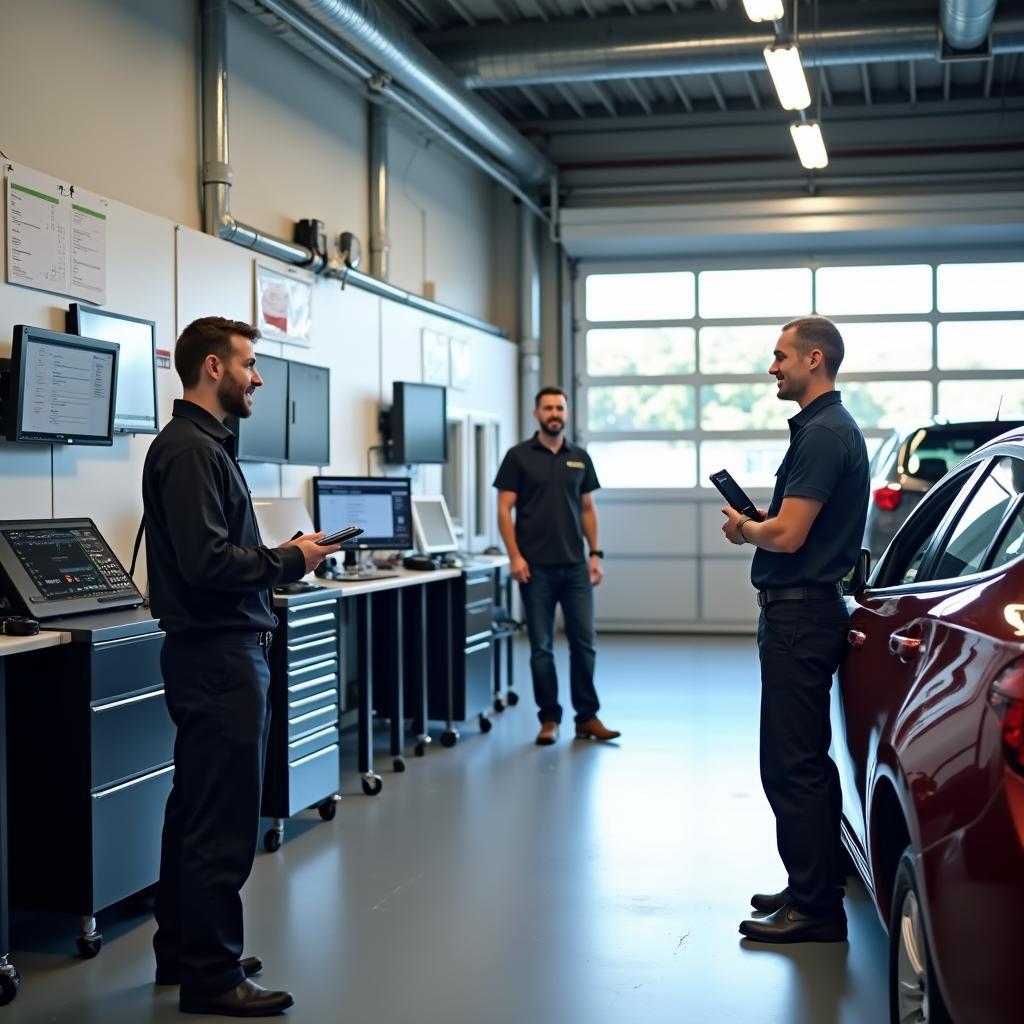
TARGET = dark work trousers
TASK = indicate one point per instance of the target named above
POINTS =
(569, 586)
(801, 644)
(216, 689)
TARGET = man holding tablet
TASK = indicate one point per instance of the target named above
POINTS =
(808, 539)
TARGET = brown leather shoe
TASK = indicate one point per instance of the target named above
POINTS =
(595, 729)
(548, 734)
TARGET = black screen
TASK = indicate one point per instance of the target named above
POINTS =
(68, 562)
(419, 424)
(263, 437)
(380, 506)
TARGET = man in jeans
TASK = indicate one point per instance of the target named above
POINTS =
(550, 484)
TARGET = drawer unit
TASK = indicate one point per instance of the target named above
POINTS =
(120, 667)
(306, 697)
(478, 620)
(130, 736)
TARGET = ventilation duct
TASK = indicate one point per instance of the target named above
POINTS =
(966, 23)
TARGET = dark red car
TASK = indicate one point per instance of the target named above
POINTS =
(928, 734)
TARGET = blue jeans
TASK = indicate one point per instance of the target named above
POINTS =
(569, 586)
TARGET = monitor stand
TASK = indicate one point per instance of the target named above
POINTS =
(355, 571)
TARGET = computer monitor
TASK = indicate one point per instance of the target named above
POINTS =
(263, 436)
(418, 424)
(432, 525)
(61, 389)
(380, 505)
(135, 407)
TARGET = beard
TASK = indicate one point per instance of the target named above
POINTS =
(552, 427)
(234, 399)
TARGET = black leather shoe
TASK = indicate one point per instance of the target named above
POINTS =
(788, 924)
(245, 1000)
(252, 965)
(768, 903)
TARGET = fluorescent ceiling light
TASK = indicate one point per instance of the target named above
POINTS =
(764, 10)
(810, 146)
(788, 76)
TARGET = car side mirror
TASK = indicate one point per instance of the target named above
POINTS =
(931, 470)
(857, 578)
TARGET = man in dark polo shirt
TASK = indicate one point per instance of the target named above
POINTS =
(550, 483)
(809, 540)
(210, 582)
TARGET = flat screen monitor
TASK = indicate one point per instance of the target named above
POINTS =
(432, 525)
(56, 567)
(135, 407)
(418, 424)
(61, 388)
(263, 437)
(380, 505)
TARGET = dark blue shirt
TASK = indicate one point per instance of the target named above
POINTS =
(827, 461)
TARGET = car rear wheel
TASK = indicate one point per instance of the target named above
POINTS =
(914, 996)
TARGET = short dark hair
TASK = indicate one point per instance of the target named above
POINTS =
(549, 391)
(209, 335)
(819, 332)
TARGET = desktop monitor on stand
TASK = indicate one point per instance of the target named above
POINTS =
(380, 506)
(433, 529)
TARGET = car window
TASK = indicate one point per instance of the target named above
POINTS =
(980, 518)
(883, 456)
(1011, 545)
(932, 452)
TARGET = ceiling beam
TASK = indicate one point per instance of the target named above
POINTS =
(716, 91)
(640, 97)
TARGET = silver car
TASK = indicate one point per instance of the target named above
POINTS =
(909, 462)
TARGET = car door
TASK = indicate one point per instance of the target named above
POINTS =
(875, 678)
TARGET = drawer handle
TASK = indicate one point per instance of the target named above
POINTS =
(315, 604)
(309, 620)
(319, 713)
(299, 687)
(479, 647)
(313, 666)
(309, 737)
(477, 637)
(128, 700)
(313, 756)
(134, 782)
(106, 645)
(313, 697)
(312, 643)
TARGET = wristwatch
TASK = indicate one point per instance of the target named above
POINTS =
(739, 527)
(597, 553)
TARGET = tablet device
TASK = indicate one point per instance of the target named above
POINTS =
(734, 495)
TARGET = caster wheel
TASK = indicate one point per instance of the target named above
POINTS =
(449, 738)
(10, 982)
(328, 809)
(89, 948)
(372, 784)
(486, 725)
(272, 841)
(420, 750)
(513, 698)
(499, 705)
(398, 764)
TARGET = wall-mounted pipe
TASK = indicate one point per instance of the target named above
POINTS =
(528, 319)
(216, 168)
(380, 213)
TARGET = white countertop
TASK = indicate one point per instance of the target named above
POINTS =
(22, 644)
(411, 577)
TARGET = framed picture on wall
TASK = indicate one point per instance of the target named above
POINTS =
(461, 363)
(284, 303)
(435, 358)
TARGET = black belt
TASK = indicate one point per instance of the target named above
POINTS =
(765, 597)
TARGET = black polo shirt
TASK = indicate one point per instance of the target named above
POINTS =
(549, 488)
(208, 569)
(827, 460)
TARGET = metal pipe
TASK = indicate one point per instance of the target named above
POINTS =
(217, 217)
(966, 23)
(380, 216)
(528, 326)
(380, 37)
(584, 50)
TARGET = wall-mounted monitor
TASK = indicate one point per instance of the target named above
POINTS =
(135, 411)
(61, 388)
(417, 426)
(309, 403)
(380, 505)
(432, 525)
(263, 436)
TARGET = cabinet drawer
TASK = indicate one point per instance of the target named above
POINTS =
(129, 737)
(127, 821)
(126, 666)
(478, 620)
(312, 649)
(319, 740)
(315, 618)
(315, 670)
(317, 697)
(312, 778)
(479, 587)
(311, 721)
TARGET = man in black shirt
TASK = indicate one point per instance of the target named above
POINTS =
(807, 543)
(549, 482)
(210, 585)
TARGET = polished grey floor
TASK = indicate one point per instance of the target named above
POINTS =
(502, 883)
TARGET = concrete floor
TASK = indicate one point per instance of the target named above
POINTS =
(504, 883)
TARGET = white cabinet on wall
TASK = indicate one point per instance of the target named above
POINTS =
(473, 456)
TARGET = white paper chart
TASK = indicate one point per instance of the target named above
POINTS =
(56, 235)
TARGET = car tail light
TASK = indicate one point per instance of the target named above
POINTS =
(1006, 697)
(887, 498)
